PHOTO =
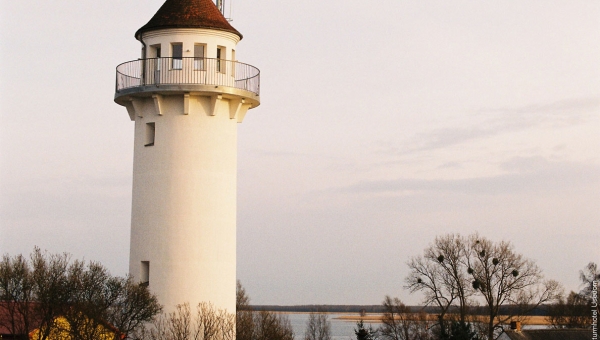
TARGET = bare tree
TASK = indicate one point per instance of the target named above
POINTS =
(395, 319)
(422, 327)
(227, 325)
(69, 298)
(318, 327)
(244, 325)
(244, 316)
(450, 252)
(572, 312)
(16, 295)
(176, 325)
(429, 278)
(92, 292)
(212, 323)
(502, 277)
(50, 288)
(179, 323)
(272, 326)
(263, 325)
(133, 307)
(242, 300)
(400, 323)
(458, 271)
(208, 323)
(441, 275)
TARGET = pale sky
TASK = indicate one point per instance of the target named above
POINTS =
(382, 124)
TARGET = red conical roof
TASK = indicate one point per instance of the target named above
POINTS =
(188, 14)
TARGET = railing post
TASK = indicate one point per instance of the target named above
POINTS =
(143, 75)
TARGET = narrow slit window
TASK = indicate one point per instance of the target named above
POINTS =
(177, 54)
(150, 134)
(145, 273)
(198, 57)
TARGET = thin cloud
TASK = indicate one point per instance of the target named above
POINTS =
(534, 175)
(561, 106)
(498, 121)
(560, 113)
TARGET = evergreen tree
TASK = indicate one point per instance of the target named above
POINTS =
(460, 331)
(363, 333)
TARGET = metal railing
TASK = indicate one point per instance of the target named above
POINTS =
(187, 71)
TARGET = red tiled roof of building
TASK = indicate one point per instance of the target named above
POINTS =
(548, 334)
(11, 320)
(188, 14)
(13, 325)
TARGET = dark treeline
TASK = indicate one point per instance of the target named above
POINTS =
(508, 309)
(322, 308)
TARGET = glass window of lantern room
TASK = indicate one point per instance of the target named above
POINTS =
(177, 55)
(199, 56)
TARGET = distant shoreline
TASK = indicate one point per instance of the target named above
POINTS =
(374, 318)
(372, 313)
(326, 308)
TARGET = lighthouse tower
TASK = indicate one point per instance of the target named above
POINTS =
(186, 95)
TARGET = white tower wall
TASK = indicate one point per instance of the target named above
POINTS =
(184, 202)
(183, 228)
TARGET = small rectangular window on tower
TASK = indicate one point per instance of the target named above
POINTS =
(145, 273)
(154, 64)
(177, 54)
(154, 51)
(198, 57)
(221, 59)
(233, 63)
(149, 134)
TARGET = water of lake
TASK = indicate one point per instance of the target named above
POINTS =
(340, 329)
